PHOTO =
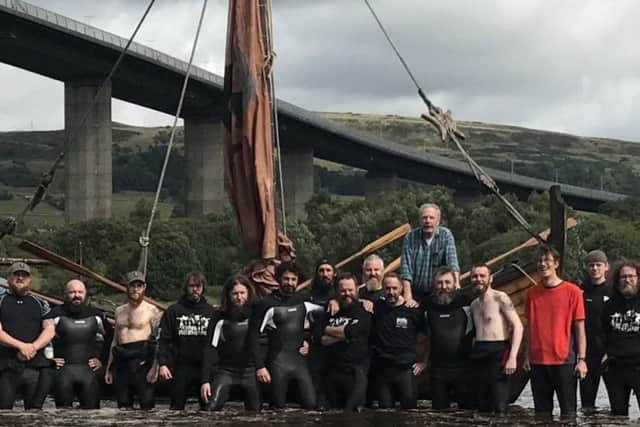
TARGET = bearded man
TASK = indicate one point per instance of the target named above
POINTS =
(497, 341)
(183, 336)
(450, 328)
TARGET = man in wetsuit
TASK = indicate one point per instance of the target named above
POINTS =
(183, 336)
(322, 291)
(621, 333)
(131, 357)
(282, 315)
(372, 272)
(499, 331)
(227, 361)
(450, 328)
(554, 310)
(24, 333)
(596, 292)
(395, 332)
(345, 336)
(80, 335)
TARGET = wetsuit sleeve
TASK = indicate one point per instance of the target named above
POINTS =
(320, 320)
(209, 352)
(255, 323)
(360, 328)
(107, 337)
(166, 335)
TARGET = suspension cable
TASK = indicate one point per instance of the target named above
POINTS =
(144, 238)
(446, 126)
(10, 224)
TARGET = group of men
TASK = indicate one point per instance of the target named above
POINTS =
(342, 344)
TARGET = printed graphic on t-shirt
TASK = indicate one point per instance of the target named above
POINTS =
(192, 325)
(341, 320)
(629, 321)
(402, 323)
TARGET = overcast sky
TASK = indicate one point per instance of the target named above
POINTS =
(570, 66)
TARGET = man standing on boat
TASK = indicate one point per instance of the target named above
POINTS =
(596, 292)
(282, 316)
(394, 340)
(80, 336)
(129, 368)
(424, 250)
(557, 346)
(450, 330)
(345, 335)
(227, 359)
(24, 334)
(183, 336)
(498, 336)
(621, 327)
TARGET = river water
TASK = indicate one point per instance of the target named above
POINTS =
(521, 415)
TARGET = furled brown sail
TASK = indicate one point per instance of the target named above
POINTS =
(247, 132)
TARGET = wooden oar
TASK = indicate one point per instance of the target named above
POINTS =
(380, 242)
(67, 264)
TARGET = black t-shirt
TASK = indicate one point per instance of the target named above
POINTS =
(621, 329)
(364, 293)
(394, 332)
(354, 350)
(451, 332)
(595, 297)
(21, 317)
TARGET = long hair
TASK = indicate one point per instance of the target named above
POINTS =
(238, 279)
(197, 277)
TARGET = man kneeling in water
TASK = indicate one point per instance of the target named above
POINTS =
(131, 349)
(78, 329)
(228, 345)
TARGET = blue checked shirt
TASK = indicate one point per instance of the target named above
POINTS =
(419, 260)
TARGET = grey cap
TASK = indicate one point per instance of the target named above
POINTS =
(134, 276)
(595, 256)
(19, 266)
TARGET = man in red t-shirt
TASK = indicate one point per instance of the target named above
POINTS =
(557, 341)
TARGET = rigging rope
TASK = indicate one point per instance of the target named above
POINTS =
(446, 126)
(144, 238)
(11, 224)
(269, 61)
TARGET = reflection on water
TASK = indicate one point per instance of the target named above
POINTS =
(521, 415)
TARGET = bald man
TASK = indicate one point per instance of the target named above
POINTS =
(80, 332)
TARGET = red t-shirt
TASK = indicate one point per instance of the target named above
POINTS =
(551, 313)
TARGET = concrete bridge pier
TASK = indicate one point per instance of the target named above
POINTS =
(297, 172)
(204, 164)
(380, 181)
(88, 181)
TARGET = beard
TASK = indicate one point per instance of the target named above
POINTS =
(480, 288)
(345, 303)
(443, 297)
(74, 308)
(239, 313)
(373, 284)
(322, 283)
(628, 290)
(287, 290)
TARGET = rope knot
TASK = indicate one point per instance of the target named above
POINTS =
(144, 241)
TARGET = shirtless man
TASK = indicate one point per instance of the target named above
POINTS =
(130, 361)
(498, 335)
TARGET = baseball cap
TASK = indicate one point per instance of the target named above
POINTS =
(19, 266)
(134, 276)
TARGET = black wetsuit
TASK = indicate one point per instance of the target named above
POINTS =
(348, 360)
(22, 317)
(621, 327)
(183, 336)
(451, 336)
(228, 362)
(79, 331)
(317, 359)
(394, 335)
(283, 317)
(595, 296)
(132, 362)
